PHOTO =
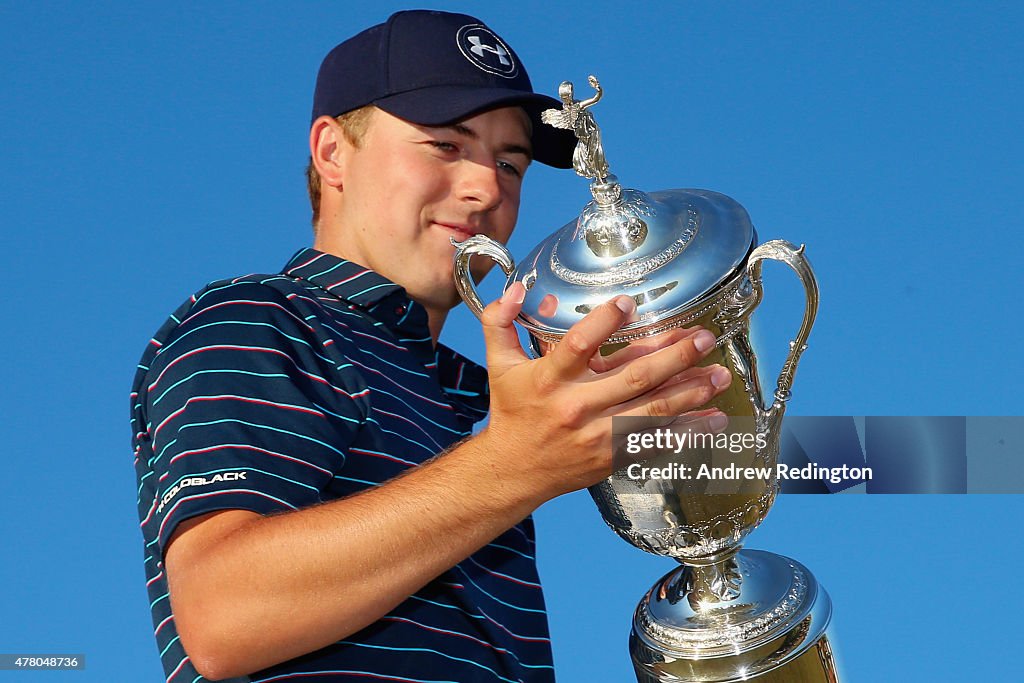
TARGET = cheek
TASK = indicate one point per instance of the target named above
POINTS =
(509, 214)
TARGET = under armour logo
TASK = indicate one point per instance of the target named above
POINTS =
(486, 51)
(479, 48)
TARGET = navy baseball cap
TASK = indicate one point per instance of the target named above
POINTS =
(433, 69)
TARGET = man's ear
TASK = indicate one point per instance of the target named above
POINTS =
(327, 148)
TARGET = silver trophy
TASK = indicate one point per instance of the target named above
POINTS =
(687, 257)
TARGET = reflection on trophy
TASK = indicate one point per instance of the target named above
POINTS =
(687, 257)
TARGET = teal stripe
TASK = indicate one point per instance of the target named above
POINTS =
(227, 285)
(511, 550)
(144, 477)
(161, 454)
(499, 600)
(358, 481)
(435, 652)
(441, 604)
(418, 413)
(173, 641)
(259, 426)
(244, 284)
(284, 334)
(334, 267)
(397, 367)
(346, 418)
(370, 289)
(431, 451)
(219, 370)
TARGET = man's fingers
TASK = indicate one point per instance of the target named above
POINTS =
(638, 348)
(573, 353)
(548, 305)
(679, 397)
(709, 420)
(500, 336)
(648, 373)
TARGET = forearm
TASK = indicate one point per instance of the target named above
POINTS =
(322, 573)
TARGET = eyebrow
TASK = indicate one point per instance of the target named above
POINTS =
(465, 130)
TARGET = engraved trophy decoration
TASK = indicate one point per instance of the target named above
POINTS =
(687, 257)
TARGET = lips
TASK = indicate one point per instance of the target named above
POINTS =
(460, 231)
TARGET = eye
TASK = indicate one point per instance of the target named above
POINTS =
(444, 145)
(509, 168)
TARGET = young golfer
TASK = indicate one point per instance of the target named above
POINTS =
(312, 506)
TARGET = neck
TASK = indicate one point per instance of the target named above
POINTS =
(435, 321)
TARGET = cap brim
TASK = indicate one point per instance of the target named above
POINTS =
(442, 105)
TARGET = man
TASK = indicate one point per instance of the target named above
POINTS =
(308, 508)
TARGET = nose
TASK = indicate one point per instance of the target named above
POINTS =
(479, 185)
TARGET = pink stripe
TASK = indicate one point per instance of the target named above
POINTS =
(383, 456)
(407, 390)
(153, 580)
(246, 447)
(215, 347)
(177, 670)
(149, 515)
(446, 632)
(514, 635)
(348, 279)
(382, 341)
(505, 576)
(162, 623)
(306, 263)
(245, 302)
(405, 419)
(232, 347)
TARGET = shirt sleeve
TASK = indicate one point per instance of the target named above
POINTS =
(245, 408)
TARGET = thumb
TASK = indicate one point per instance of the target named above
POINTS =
(500, 336)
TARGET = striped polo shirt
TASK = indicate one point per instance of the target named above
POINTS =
(272, 393)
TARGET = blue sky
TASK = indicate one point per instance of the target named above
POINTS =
(150, 148)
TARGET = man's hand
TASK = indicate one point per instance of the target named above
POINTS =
(550, 416)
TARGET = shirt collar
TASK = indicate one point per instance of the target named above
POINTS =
(462, 380)
(344, 279)
(383, 300)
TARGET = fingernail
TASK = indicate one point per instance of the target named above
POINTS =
(515, 293)
(721, 377)
(718, 422)
(625, 304)
(703, 341)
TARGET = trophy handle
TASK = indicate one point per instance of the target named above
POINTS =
(781, 250)
(477, 244)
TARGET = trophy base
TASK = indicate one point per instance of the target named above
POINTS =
(771, 628)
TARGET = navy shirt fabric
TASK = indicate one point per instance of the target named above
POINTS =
(273, 393)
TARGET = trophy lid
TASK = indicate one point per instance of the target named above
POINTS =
(668, 250)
